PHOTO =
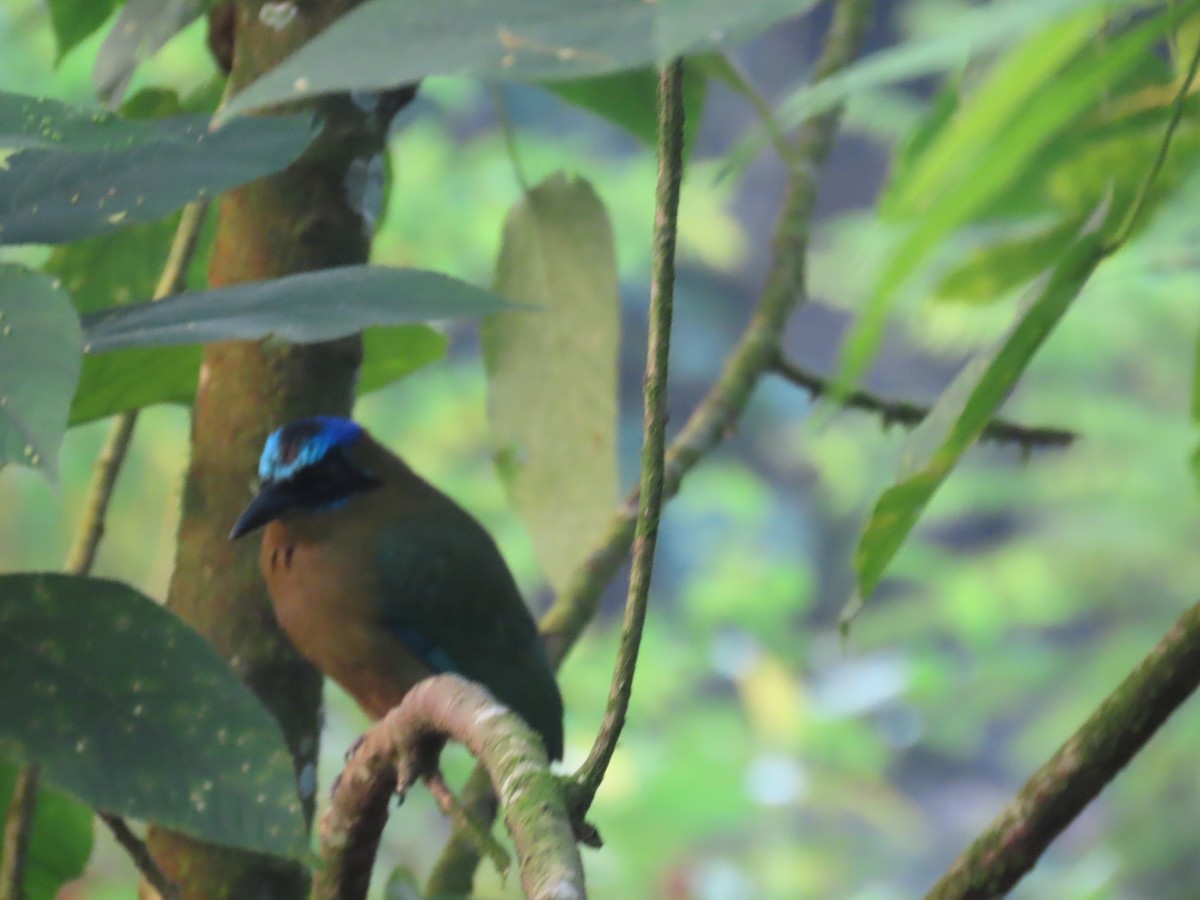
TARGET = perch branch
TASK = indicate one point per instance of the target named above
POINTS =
(1090, 758)
(662, 294)
(403, 747)
(901, 412)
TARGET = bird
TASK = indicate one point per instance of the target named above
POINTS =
(381, 580)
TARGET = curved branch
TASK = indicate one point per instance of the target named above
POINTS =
(662, 295)
(754, 354)
(404, 745)
(909, 415)
(1090, 758)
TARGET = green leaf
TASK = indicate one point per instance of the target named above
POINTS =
(75, 20)
(139, 32)
(1011, 146)
(1003, 94)
(312, 306)
(629, 100)
(383, 43)
(968, 404)
(968, 32)
(114, 269)
(76, 173)
(111, 383)
(61, 840)
(391, 353)
(39, 363)
(552, 370)
(124, 380)
(991, 272)
(133, 712)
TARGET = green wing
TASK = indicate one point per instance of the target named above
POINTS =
(449, 597)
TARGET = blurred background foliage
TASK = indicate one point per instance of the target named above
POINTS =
(766, 758)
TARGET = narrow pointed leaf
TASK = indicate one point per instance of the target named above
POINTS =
(39, 364)
(383, 43)
(1009, 148)
(133, 712)
(312, 306)
(972, 32)
(139, 32)
(968, 404)
(75, 173)
(628, 99)
(552, 370)
(75, 20)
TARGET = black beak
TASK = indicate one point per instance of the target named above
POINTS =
(274, 498)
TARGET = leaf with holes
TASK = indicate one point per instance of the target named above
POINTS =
(552, 370)
(39, 365)
(132, 711)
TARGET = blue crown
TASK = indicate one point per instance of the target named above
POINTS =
(302, 443)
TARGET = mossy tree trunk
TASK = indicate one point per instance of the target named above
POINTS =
(301, 219)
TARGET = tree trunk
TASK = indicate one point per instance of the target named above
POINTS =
(301, 219)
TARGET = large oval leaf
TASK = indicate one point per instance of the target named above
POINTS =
(39, 364)
(389, 42)
(552, 370)
(132, 711)
(311, 306)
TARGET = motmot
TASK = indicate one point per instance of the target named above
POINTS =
(381, 580)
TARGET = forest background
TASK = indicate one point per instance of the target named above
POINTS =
(767, 755)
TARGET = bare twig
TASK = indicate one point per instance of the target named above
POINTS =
(403, 746)
(18, 831)
(662, 293)
(140, 854)
(90, 531)
(1090, 758)
(901, 412)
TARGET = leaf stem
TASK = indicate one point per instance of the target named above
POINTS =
(1143, 194)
